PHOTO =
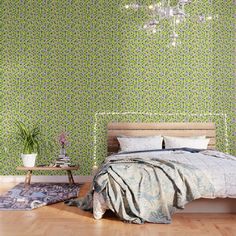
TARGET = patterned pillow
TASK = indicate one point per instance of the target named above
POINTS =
(198, 142)
(129, 144)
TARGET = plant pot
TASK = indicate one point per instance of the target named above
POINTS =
(29, 159)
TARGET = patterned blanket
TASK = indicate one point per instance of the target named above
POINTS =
(142, 190)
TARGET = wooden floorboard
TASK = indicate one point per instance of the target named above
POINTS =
(59, 219)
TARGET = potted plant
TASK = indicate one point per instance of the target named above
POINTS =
(29, 137)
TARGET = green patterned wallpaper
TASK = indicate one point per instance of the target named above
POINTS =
(76, 65)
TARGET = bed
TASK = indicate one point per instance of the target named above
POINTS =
(151, 185)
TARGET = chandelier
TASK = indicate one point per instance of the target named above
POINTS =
(162, 12)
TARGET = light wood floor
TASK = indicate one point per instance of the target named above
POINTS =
(59, 219)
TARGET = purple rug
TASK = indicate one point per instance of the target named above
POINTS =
(36, 195)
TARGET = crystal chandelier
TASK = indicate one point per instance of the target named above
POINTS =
(162, 12)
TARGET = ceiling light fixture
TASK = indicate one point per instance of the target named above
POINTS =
(163, 11)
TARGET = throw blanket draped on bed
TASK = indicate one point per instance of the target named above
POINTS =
(141, 189)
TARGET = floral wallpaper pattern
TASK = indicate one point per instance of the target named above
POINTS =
(74, 66)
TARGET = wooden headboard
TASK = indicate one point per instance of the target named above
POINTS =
(168, 129)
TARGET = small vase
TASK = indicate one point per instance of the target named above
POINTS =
(63, 152)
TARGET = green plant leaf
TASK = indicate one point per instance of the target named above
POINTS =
(28, 137)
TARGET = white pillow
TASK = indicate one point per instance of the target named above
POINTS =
(198, 142)
(129, 144)
(193, 137)
(199, 137)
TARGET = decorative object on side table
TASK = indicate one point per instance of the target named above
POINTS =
(63, 160)
(29, 137)
(63, 141)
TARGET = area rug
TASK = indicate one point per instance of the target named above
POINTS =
(36, 195)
